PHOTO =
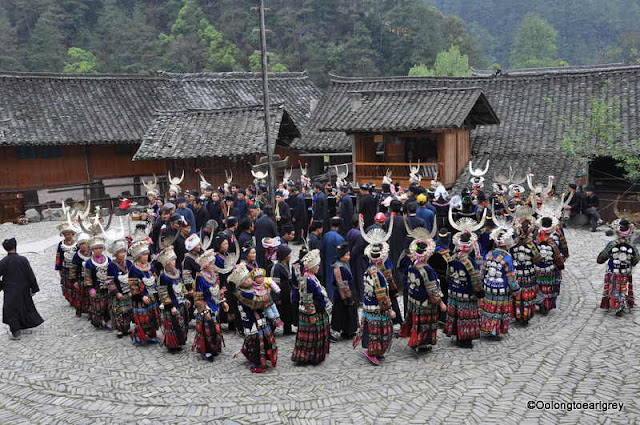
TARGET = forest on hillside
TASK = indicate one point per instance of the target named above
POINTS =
(588, 31)
(346, 37)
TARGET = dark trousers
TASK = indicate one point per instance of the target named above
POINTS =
(594, 215)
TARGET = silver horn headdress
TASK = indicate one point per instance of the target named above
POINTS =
(414, 173)
(152, 186)
(466, 225)
(477, 181)
(376, 238)
(174, 182)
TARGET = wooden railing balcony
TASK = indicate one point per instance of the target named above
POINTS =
(375, 171)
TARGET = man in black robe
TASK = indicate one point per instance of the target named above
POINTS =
(282, 212)
(368, 206)
(298, 213)
(264, 227)
(19, 284)
(320, 211)
(345, 210)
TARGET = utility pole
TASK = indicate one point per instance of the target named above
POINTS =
(265, 100)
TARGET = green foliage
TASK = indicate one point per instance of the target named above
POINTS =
(9, 55)
(599, 133)
(195, 45)
(82, 62)
(450, 63)
(45, 49)
(535, 44)
(255, 64)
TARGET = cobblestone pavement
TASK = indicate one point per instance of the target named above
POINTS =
(67, 372)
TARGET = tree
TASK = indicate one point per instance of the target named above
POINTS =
(255, 64)
(9, 56)
(450, 63)
(194, 44)
(599, 133)
(535, 44)
(82, 62)
(45, 50)
(123, 40)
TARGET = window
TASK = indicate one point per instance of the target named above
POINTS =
(33, 152)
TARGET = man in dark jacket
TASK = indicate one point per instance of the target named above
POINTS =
(264, 227)
(592, 204)
(320, 211)
(282, 212)
(245, 237)
(298, 213)
(201, 214)
(214, 208)
(368, 207)
(19, 284)
(345, 210)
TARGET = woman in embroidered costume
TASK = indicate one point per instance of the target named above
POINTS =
(174, 305)
(142, 284)
(550, 266)
(95, 277)
(64, 262)
(344, 320)
(249, 257)
(281, 274)
(464, 283)
(81, 292)
(425, 299)
(190, 268)
(312, 337)
(118, 285)
(553, 249)
(499, 282)
(232, 317)
(621, 256)
(259, 345)
(525, 259)
(376, 325)
(210, 299)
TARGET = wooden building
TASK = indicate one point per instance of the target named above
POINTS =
(430, 127)
(69, 135)
(216, 141)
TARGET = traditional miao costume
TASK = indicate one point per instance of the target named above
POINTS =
(620, 256)
(344, 317)
(376, 325)
(499, 287)
(81, 292)
(142, 283)
(208, 295)
(64, 264)
(525, 256)
(313, 335)
(465, 284)
(259, 345)
(171, 292)
(190, 269)
(95, 276)
(118, 283)
(548, 270)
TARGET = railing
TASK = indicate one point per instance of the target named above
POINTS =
(374, 171)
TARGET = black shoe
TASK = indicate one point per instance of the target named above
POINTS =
(16, 335)
(465, 343)
(619, 313)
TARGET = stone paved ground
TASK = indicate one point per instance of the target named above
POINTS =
(67, 372)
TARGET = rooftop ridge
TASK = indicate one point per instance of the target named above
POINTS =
(256, 107)
(157, 75)
(529, 74)
(417, 90)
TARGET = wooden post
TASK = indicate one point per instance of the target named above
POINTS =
(354, 157)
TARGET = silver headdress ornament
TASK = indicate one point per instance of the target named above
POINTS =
(377, 238)
(503, 233)
(286, 176)
(341, 176)
(239, 274)
(516, 189)
(624, 214)
(259, 177)
(523, 213)
(312, 259)
(209, 256)
(152, 186)
(304, 178)
(466, 225)
(166, 256)
(174, 182)
(435, 183)
(230, 261)
(117, 246)
(82, 238)
(414, 173)
(387, 178)
(421, 234)
(203, 182)
(553, 207)
(478, 175)
(539, 189)
(501, 182)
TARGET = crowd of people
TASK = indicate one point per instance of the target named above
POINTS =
(471, 263)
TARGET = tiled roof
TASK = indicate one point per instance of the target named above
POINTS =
(408, 110)
(49, 109)
(210, 133)
(529, 107)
